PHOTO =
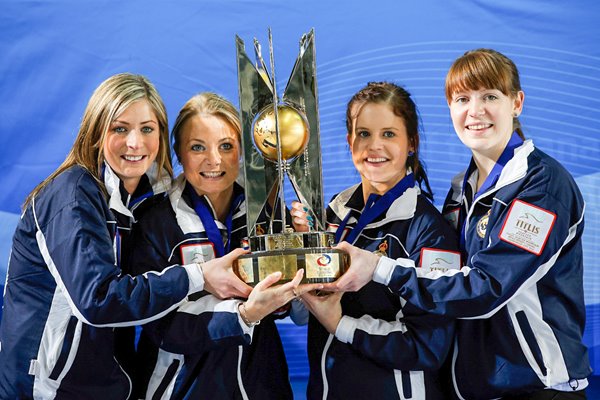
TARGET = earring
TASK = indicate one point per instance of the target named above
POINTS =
(411, 153)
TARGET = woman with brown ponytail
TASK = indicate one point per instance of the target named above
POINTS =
(368, 344)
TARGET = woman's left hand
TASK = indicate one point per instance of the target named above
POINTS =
(301, 220)
(327, 309)
(266, 298)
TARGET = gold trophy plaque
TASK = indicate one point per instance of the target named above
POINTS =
(281, 138)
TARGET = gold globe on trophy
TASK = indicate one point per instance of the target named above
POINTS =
(275, 145)
(293, 130)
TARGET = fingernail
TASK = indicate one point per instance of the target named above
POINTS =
(305, 209)
(310, 218)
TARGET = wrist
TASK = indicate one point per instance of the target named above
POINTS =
(248, 320)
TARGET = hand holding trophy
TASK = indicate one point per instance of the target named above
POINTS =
(281, 138)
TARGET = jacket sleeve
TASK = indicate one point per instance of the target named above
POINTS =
(414, 340)
(202, 321)
(499, 272)
(420, 343)
(78, 249)
(200, 325)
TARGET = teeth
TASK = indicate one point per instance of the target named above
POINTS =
(376, 160)
(479, 126)
(212, 174)
(133, 158)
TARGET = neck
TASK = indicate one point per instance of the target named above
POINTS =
(131, 184)
(379, 188)
(485, 161)
(221, 202)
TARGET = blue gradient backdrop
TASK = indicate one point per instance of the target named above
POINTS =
(54, 53)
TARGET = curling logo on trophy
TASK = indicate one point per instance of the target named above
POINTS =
(281, 138)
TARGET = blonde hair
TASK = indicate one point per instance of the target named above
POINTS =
(484, 69)
(108, 101)
(205, 103)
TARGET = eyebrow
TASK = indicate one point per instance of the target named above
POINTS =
(150, 121)
(384, 128)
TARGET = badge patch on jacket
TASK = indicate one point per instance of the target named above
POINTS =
(452, 217)
(382, 249)
(198, 252)
(527, 226)
(482, 224)
(440, 260)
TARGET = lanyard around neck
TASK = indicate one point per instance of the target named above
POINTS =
(374, 207)
(208, 220)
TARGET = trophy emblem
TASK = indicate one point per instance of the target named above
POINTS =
(280, 138)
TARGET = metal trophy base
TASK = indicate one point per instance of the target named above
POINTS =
(288, 252)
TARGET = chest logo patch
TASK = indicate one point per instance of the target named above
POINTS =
(197, 252)
(481, 227)
(440, 260)
(527, 226)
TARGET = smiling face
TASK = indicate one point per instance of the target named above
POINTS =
(483, 119)
(132, 143)
(379, 144)
(209, 152)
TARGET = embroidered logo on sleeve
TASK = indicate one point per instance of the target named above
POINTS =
(202, 252)
(452, 217)
(440, 260)
(527, 226)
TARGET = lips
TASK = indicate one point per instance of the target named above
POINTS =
(132, 158)
(376, 160)
(479, 126)
(212, 174)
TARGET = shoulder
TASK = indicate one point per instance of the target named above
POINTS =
(74, 185)
(426, 211)
(548, 176)
(337, 205)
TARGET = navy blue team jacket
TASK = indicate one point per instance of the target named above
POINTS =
(384, 348)
(206, 351)
(65, 294)
(520, 291)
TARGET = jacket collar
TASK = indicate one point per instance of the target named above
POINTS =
(515, 169)
(351, 199)
(186, 216)
(112, 183)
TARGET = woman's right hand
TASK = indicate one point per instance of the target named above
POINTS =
(362, 267)
(220, 280)
(266, 298)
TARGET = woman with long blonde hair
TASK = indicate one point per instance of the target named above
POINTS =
(65, 291)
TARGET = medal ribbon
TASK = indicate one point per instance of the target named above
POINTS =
(210, 226)
(374, 207)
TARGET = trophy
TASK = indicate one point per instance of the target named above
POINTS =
(281, 138)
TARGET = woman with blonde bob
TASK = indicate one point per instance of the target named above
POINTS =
(209, 348)
(65, 291)
(519, 293)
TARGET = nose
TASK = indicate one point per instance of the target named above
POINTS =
(134, 139)
(375, 142)
(214, 157)
(476, 108)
